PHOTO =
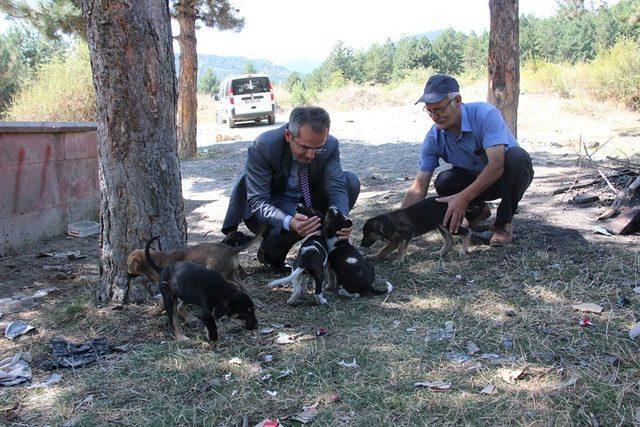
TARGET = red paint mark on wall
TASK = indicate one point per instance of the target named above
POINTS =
(43, 174)
(16, 192)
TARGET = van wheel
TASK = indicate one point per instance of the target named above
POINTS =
(231, 123)
(272, 119)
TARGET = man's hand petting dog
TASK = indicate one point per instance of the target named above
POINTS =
(455, 212)
(304, 225)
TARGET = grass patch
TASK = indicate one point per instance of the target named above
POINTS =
(516, 303)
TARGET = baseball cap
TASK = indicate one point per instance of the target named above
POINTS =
(437, 87)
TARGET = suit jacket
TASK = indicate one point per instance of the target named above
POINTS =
(265, 177)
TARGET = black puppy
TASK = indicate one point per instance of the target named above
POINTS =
(311, 260)
(401, 225)
(191, 283)
(349, 269)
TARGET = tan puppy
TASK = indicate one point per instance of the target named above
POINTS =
(219, 256)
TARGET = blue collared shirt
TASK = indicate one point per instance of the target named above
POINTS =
(482, 127)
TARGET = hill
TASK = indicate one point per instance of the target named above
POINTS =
(225, 65)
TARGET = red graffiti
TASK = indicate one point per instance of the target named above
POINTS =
(43, 174)
(16, 192)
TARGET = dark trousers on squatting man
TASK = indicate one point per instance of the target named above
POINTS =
(510, 187)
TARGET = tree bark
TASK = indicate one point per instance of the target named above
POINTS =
(131, 53)
(187, 80)
(504, 60)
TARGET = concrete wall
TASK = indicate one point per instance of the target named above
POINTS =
(48, 179)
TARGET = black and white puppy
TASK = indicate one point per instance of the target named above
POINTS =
(398, 227)
(191, 283)
(311, 261)
(348, 268)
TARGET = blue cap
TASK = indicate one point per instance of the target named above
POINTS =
(437, 87)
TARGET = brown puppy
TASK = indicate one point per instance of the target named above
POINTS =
(398, 227)
(219, 256)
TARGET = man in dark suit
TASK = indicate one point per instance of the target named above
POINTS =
(296, 163)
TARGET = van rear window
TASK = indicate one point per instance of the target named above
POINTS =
(250, 85)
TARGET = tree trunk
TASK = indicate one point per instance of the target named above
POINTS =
(131, 52)
(504, 60)
(187, 81)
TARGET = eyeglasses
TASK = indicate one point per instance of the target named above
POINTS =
(306, 149)
(437, 111)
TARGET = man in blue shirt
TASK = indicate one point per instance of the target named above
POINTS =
(487, 162)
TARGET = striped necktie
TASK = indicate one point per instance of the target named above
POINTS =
(303, 176)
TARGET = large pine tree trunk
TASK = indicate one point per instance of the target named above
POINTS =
(134, 77)
(187, 80)
(504, 60)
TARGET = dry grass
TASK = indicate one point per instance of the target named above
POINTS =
(522, 295)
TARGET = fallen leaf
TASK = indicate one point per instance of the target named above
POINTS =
(456, 357)
(284, 338)
(635, 331)
(269, 423)
(266, 378)
(489, 389)
(305, 416)
(412, 329)
(601, 230)
(352, 365)
(266, 331)
(272, 393)
(511, 375)
(320, 332)
(588, 307)
(434, 385)
(472, 348)
(569, 383)
(235, 361)
(585, 322)
(284, 374)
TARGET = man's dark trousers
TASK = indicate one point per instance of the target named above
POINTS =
(277, 241)
(510, 187)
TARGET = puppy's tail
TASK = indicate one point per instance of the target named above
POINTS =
(382, 291)
(147, 256)
(294, 274)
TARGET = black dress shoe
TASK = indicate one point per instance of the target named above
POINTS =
(277, 266)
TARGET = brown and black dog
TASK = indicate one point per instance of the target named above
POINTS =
(219, 256)
(185, 282)
(398, 227)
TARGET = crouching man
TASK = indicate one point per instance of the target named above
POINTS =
(296, 163)
(487, 162)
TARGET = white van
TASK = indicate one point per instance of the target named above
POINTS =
(243, 98)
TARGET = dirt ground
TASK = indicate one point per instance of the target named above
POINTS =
(557, 260)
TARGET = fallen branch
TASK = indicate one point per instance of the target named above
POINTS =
(619, 200)
(626, 163)
(575, 186)
(595, 166)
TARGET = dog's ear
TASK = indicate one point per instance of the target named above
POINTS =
(134, 263)
(348, 223)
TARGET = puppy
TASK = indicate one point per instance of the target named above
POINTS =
(311, 261)
(400, 226)
(191, 283)
(348, 268)
(220, 256)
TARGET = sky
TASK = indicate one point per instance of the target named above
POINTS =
(284, 30)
